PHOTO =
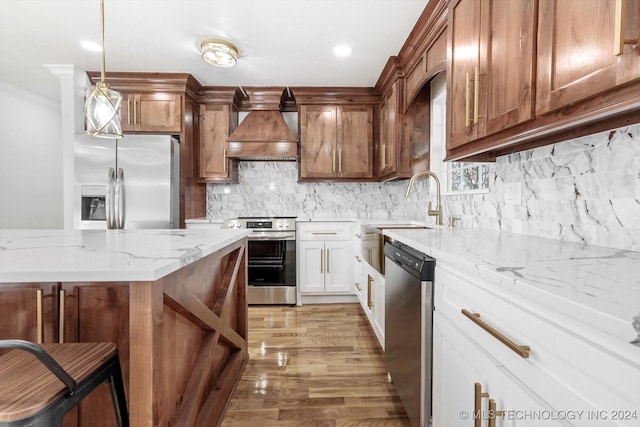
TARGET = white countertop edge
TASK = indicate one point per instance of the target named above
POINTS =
(201, 244)
(611, 324)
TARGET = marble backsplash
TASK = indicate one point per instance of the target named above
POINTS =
(583, 190)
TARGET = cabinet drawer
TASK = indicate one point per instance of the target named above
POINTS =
(324, 231)
(561, 350)
(458, 365)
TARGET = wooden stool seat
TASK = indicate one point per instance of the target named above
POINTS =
(30, 392)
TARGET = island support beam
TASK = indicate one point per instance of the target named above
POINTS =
(145, 357)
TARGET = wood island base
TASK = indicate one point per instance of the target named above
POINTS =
(182, 339)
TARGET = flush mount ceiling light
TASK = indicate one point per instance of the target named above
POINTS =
(218, 52)
(101, 104)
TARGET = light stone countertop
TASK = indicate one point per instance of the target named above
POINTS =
(597, 286)
(104, 255)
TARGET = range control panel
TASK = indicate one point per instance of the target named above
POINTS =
(262, 224)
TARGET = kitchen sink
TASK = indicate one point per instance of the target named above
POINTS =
(373, 240)
(400, 226)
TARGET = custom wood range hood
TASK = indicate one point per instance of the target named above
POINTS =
(263, 134)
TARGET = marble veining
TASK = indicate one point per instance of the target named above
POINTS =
(599, 286)
(585, 190)
(104, 255)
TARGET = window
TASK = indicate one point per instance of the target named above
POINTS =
(466, 177)
(457, 177)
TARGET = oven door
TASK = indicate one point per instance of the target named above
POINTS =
(272, 259)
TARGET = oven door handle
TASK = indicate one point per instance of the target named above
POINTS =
(272, 236)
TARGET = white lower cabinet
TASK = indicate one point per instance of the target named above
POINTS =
(377, 288)
(324, 267)
(535, 364)
(359, 280)
(325, 254)
(371, 296)
(470, 388)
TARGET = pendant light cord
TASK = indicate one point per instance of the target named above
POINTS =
(102, 78)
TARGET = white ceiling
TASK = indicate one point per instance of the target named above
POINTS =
(281, 42)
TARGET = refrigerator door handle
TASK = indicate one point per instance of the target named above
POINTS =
(119, 200)
(109, 198)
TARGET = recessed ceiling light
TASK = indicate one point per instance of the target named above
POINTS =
(93, 47)
(342, 50)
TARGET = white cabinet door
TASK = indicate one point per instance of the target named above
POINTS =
(454, 378)
(312, 266)
(378, 307)
(359, 281)
(458, 365)
(337, 266)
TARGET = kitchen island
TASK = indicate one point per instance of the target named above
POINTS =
(174, 301)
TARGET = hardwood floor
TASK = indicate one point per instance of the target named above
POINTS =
(316, 365)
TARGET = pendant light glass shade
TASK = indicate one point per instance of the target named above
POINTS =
(102, 111)
(102, 104)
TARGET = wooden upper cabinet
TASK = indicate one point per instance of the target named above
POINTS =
(431, 62)
(151, 112)
(585, 47)
(355, 141)
(336, 142)
(491, 67)
(389, 131)
(215, 124)
(318, 124)
(464, 33)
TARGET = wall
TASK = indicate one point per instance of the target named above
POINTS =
(30, 160)
(584, 190)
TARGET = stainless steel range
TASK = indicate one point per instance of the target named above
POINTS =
(271, 258)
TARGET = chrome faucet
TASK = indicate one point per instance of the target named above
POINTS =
(437, 212)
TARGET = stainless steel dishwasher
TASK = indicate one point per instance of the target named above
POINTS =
(408, 327)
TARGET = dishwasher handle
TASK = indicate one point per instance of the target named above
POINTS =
(414, 262)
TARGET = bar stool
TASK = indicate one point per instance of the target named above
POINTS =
(40, 390)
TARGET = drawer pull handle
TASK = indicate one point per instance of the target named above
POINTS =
(320, 233)
(618, 43)
(358, 286)
(493, 413)
(224, 161)
(477, 404)
(39, 317)
(476, 95)
(63, 302)
(328, 258)
(333, 166)
(384, 156)
(467, 101)
(521, 350)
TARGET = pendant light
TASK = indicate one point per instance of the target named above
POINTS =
(102, 104)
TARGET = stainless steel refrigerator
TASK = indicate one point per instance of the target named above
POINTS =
(128, 183)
